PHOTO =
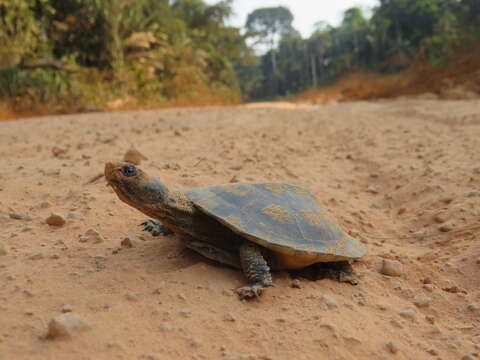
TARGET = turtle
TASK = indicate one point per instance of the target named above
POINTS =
(254, 227)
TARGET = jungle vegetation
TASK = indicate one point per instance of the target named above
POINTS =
(81, 54)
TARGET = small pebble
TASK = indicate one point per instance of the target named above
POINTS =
(67, 325)
(57, 151)
(17, 216)
(421, 301)
(408, 313)
(391, 268)
(131, 297)
(396, 324)
(42, 205)
(151, 357)
(451, 289)
(328, 326)
(472, 307)
(433, 352)
(164, 327)
(372, 189)
(51, 172)
(185, 313)
(228, 317)
(440, 218)
(3, 249)
(92, 235)
(28, 293)
(382, 307)
(429, 287)
(473, 193)
(127, 243)
(133, 156)
(430, 319)
(38, 256)
(55, 220)
(469, 357)
(392, 347)
(328, 303)
(445, 227)
(67, 308)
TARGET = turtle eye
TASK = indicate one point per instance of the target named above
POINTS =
(129, 171)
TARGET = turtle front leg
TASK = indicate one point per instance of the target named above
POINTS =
(155, 227)
(255, 269)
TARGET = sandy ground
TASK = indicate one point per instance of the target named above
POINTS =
(389, 171)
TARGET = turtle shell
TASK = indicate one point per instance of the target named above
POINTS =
(281, 217)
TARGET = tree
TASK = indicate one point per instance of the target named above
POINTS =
(269, 24)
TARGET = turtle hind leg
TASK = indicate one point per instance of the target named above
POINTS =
(340, 271)
(156, 228)
(255, 269)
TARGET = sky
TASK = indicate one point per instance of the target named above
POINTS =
(306, 12)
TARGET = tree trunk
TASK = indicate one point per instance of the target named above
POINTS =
(314, 71)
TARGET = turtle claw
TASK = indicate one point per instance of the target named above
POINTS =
(155, 227)
(251, 291)
(347, 277)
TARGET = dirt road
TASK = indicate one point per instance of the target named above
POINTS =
(389, 171)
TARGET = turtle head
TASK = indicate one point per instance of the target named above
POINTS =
(136, 188)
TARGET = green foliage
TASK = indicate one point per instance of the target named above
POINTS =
(145, 50)
(21, 34)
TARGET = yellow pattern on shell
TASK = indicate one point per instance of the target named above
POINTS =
(276, 212)
(300, 191)
(276, 188)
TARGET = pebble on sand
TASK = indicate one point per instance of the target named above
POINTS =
(55, 220)
(17, 215)
(328, 303)
(131, 297)
(126, 243)
(92, 235)
(3, 249)
(408, 313)
(440, 218)
(133, 156)
(392, 268)
(392, 347)
(67, 325)
(421, 301)
(472, 307)
(67, 308)
(446, 227)
(228, 317)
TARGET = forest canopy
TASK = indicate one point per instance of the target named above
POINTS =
(82, 54)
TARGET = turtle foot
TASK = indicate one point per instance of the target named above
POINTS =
(155, 227)
(346, 277)
(252, 291)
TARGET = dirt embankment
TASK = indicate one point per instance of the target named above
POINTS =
(401, 175)
(459, 80)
